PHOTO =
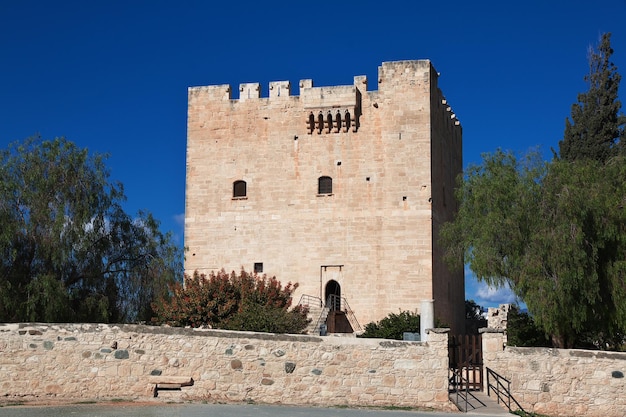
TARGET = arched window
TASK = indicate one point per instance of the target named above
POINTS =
(311, 123)
(338, 121)
(320, 122)
(329, 122)
(348, 120)
(324, 185)
(239, 189)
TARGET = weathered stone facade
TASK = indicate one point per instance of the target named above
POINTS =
(339, 189)
(95, 361)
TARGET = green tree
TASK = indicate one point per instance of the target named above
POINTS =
(521, 330)
(474, 319)
(554, 232)
(232, 301)
(473, 311)
(68, 250)
(596, 129)
(393, 326)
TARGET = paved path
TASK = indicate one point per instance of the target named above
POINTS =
(212, 410)
(483, 405)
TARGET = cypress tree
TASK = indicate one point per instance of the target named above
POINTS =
(596, 128)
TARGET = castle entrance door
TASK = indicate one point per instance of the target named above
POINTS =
(330, 278)
(337, 320)
(332, 295)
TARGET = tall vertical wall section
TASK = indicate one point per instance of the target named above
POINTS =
(393, 155)
(97, 361)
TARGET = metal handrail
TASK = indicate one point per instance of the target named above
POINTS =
(457, 381)
(311, 300)
(321, 319)
(307, 300)
(335, 300)
(356, 327)
(502, 392)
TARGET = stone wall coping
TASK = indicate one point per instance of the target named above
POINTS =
(40, 328)
(575, 353)
(438, 330)
(490, 330)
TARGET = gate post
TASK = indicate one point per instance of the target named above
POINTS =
(494, 337)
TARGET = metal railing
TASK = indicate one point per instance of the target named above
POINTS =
(456, 383)
(502, 390)
(310, 300)
(333, 302)
(336, 302)
(313, 304)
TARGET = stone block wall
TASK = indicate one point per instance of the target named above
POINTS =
(560, 382)
(96, 361)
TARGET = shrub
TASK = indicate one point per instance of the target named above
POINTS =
(241, 301)
(393, 326)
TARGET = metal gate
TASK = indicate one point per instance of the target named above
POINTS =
(466, 361)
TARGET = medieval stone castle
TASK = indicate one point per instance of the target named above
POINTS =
(340, 189)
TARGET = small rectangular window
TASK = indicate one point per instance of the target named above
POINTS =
(258, 267)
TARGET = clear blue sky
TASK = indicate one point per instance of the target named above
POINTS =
(112, 75)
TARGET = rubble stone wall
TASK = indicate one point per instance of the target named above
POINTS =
(96, 361)
(560, 382)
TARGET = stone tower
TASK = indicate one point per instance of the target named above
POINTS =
(340, 189)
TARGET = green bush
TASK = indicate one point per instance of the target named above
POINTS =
(393, 326)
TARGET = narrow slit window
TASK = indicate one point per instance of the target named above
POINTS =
(239, 189)
(325, 185)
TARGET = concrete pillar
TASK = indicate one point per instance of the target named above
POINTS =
(427, 317)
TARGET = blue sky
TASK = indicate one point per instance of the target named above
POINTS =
(113, 75)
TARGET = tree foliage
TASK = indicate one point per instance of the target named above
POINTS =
(555, 232)
(68, 251)
(473, 311)
(522, 330)
(596, 129)
(233, 301)
(393, 326)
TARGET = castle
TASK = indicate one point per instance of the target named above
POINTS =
(340, 189)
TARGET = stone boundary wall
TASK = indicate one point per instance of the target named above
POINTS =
(97, 361)
(560, 382)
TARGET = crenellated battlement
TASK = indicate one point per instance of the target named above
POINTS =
(334, 109)
(332, 96)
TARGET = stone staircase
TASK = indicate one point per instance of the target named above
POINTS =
(318, 319)
(317, 313)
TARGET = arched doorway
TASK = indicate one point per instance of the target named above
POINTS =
(337, 320)
(332, 295)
